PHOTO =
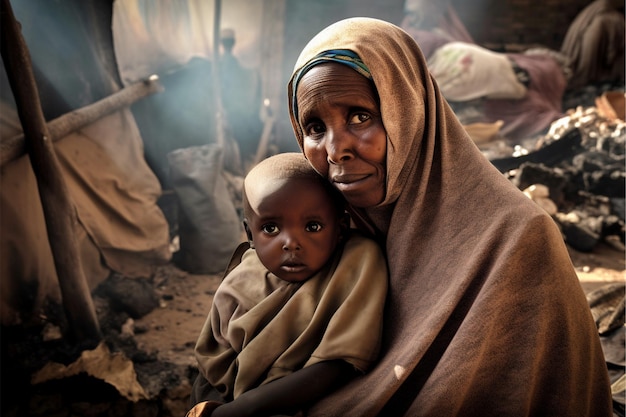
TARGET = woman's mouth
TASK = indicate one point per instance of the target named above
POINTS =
(349, 178)
(346, 182)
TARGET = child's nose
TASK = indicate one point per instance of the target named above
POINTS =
(291, 243)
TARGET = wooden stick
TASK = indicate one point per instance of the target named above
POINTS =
(13, 148)
(261, 151)
(59, 212)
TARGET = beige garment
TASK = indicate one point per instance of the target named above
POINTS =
(261, 328)
(485, 316)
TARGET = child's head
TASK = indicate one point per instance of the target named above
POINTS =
(293, 217)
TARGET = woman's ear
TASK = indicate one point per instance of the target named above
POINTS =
(248, 232)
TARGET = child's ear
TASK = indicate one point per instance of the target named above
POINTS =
(248, 233)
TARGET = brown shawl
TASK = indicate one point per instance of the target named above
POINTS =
(485, 315)
(261, 328)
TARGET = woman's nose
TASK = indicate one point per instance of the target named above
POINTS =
(338, 146)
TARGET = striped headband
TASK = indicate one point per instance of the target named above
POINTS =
(342, 56)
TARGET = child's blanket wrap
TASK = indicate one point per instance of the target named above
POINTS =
(261, 328)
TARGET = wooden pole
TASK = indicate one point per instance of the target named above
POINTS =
(220, 117)
(59, 211)
(13, 148)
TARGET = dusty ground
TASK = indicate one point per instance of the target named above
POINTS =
(173, 328)
(166, 337)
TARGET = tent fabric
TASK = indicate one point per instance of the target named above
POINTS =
(540, 106)
(524, 115)
(120, 227)
(465, 71)
(168, 34)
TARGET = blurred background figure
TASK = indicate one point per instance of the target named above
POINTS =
(241, 98)
(594, 43)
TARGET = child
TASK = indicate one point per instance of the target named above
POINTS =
(302, 311)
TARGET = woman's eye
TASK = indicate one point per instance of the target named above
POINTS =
(270, 229)
(313, 227)
(359, 118)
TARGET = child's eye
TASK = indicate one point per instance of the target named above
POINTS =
(270, 229)
(313, 227)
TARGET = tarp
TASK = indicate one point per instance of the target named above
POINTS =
(121, 228)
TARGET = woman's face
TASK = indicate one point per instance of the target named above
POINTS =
(344, 136)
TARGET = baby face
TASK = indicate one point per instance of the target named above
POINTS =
(294, 228)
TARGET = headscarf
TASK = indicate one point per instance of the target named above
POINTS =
(485, 315)
(341, 56)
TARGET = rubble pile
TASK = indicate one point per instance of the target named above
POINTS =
(581, 163)
(54, 376)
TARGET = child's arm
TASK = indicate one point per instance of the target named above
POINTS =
(290, 393)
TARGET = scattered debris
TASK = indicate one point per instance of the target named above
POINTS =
(579, 166)
(113, 368)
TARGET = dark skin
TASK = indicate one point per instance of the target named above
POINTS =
(286, 395)
(344, 136)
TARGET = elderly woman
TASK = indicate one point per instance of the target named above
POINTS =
(485, 314)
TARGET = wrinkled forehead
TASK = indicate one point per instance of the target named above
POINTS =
(344, 57)
(332, 82)
(383, 49)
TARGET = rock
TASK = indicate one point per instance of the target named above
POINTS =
(577, 234)
(579, 238)
(135, 296)
(540, 194)
(554, 179)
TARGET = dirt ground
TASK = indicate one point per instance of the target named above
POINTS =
(164, 341)
(171, 330)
